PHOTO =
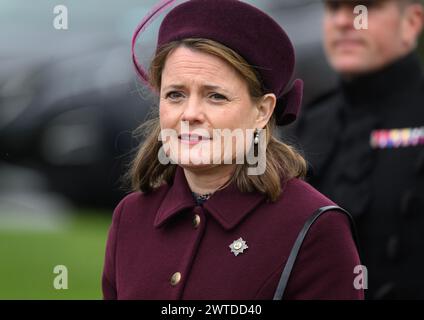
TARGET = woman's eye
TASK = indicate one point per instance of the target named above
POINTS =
(173, 95)
(217, 96)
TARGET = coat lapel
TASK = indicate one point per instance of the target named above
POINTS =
(228, 206)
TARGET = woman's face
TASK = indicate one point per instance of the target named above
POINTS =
(199, 94)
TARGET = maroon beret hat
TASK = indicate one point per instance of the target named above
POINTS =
(245, 29)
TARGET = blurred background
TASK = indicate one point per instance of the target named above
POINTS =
(69, 102)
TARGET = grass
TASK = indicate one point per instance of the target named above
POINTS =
(27, 260)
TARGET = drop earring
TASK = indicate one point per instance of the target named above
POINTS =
(256, 137)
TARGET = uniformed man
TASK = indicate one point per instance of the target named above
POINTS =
(365, 140)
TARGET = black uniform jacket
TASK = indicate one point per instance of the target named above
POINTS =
(365, 146)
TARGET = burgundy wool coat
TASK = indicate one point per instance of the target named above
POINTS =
(162, 245)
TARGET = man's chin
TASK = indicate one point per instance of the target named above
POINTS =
(350, 66)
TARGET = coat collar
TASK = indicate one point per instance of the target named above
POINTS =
(227, 206)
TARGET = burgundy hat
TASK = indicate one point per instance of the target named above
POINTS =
(248, 31)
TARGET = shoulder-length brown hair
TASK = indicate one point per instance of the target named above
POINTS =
(283, 162)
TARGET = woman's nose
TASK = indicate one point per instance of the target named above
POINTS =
(193, 110)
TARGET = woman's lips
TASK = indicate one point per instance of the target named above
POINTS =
(192, 138)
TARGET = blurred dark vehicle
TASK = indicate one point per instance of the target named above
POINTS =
(71, 120)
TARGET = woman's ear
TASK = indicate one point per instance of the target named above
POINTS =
(265, 107)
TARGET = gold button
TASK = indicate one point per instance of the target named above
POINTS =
(176, 277)
(196, 221)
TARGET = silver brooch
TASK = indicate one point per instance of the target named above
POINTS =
(238, 246)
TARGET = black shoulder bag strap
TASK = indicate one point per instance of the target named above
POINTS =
(298, 243)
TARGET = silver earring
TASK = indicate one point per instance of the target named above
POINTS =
(256, 138)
